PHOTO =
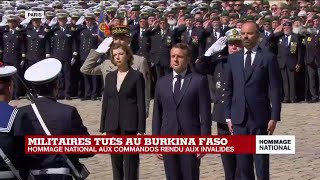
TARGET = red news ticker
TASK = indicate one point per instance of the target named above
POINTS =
(107, 144)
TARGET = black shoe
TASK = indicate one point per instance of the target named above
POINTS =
(313, 101)
(68, 98)
(293, 101)
(84, 99)
(286, 101)
(93, 98)
(60, 97)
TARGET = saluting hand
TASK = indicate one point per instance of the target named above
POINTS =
(271, 126)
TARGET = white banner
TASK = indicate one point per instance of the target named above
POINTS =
(275, 144)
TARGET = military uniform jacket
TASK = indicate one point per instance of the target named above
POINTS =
(160, 46)
(289, 55)
(215, 66)
(140, 44)
(11, 47)
(196, 41)
(60, 119)
(211, 37)
(37, 44)
(88, 40)
(63, 44)
(312, 48)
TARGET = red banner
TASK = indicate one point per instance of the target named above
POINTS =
(140, 144)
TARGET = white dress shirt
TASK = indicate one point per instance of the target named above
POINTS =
(253, 54)
(289, 39)
(120, 77)
(183, 74)
(141, 32)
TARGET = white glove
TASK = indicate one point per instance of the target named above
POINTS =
(216, 47)
(25, 21)
(22, 64)
(68, 20)
(80, 21)
(53, 21)
(73, 60)
(105, 45)
(4, 21)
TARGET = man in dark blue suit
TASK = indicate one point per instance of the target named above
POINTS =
(181, 107)
(253, 83)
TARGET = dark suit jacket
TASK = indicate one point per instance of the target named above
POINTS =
(191, 114)
(263, 82)
(160, 46)
(289, 56)
(196, 41)
(125, 109)
(59, 118)
(140, 44)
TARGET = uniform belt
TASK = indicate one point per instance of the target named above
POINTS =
(6, 175)
(62, 171)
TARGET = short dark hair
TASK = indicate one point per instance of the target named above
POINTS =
(185, 47)
(126, 49)
(45, 89)
(5, 82)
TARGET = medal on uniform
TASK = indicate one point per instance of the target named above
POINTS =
(219, 75)
(195, 40)
(182, 37)
(209, 40)
(303, 41)
(218, 85)
(309, 39)
(68, 35)
(260, 39)
(293, 47)
(28, 35)
(56, 34)
(280, 41)
(168, 40)
(41, 36)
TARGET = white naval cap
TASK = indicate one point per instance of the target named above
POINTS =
(7, 71)
(43, 71)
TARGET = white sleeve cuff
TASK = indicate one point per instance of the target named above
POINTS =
(228, 120)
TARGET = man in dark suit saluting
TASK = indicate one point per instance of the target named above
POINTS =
(181, 107)
(253, 76)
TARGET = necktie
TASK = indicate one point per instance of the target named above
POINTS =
(286, 41)
(177, 87)
(162, 33)
(248, 67)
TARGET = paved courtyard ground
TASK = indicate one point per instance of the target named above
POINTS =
(301, 120)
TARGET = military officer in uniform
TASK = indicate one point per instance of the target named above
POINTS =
(192, 36)
(65, 49)
(312, 59)
(60, 119)
(162, 39)
(11, 48)
(140, 42)
(10, 145)
(92, 66)
(213, 32)
(37, 43)
(88, 40)
(214, 64)
(289, 58)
